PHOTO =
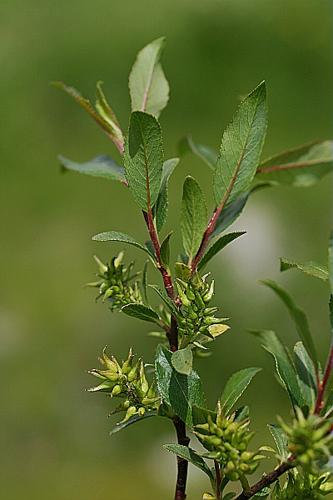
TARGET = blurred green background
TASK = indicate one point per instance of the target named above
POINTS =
(54, 435)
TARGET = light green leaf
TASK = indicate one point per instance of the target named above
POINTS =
(218, 245)
(298, 317)
(306, 373)
(235, 387)
(179, 391)
(132, 420)
(302, 166)
(162, 203)
(143, 159)
(101, 166)
(149, 89)
(111, 128)
(283, 364)
(310, 268)
(165, 250)
(241, 147)
(120, 237)
(141, 311)
(191, 456)
(233, 210)
(205, 153)
(182, 360)
(193, 216)
(280, 440)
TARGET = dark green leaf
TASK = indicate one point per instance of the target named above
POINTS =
(241, 147)
(167, 301)
(148, 86)
(182, 360)
(132, 420)
(143, 159)
(233, 210)
(191, 456)
(306, 373)
(101, 166)
(302, 166)
(310, 268)
(264, 493)
(141, 312)
(298, 316)
(193, 216)
(200, 415)
(162, 203)
(165, 249)
(242, 413)
(121, 237)
(235, 387)
(280, 440)
(205, 153)
(284, 367)
(218, 245)
(179, 391)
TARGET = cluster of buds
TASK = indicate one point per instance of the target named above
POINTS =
(303, 486)
(196, 319)
(114, 283)
(227, 441)
(310, 440)
(126, 380)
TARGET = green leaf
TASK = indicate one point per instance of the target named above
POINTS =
(167, 301)
(141, 311)
(144, 282)
(101, 166)
(233, 210)
(162, 203)
(298, 317)
(280, 440)
(302, 166)
(179, 391)
(264, 493)
(143, 159)
(306, 373)
(191, 456)
(283, 364)
(241, 147)
(205, 153)
(193, 216)
(330, 261)
(218, 245)
(132, 420)
(182, 360)
(200, 415)
(165, 249)
(111, 128)
(149, 89)
(310, 268)
(120, 237)
(235, 387)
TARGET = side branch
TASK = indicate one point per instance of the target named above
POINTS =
(267, 479)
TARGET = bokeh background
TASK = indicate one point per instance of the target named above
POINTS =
(54, 435)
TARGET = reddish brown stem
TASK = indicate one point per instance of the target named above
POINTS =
(180, 493)
(207, 234)
(218, 479)
(267, 479)
(322, 384)
(172, 334)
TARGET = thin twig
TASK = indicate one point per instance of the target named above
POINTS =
(322, 384)
(267, 479)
